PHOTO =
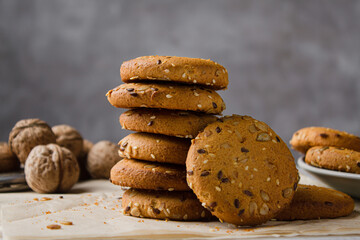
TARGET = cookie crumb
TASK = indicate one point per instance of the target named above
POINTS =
(45, 199)
(66, 222)
(53, 226)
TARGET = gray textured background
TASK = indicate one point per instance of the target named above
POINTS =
(291, 63)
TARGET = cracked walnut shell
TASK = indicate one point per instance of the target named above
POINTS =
(51, 168)
(101, 158)
(69, 137)
(28, 133)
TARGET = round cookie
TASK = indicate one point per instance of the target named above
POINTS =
(333, 158)
(167, 122)
(163, 205)
(154, 148)
(149, 175)
(312, 202)
(241, 170)
(306, 138)
(175, 97)
(8, 161)
(176, 69)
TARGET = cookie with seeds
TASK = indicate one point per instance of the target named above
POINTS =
(306, 138)
(334, 158)
(165, 96)
(178, 206)
(167, 122)
(313, 202)
(154, 148)
(149, 175)
(175, 69)
(241, 170)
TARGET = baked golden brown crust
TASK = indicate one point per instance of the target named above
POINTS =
(165, 96)
(312, 202)
(149, 175)
(306, 138)
(69, 137)
(154, 148)
(241, 170)
(163, 205)
(8, 161)
(333, 158)
(176, 69)
(28, 133)
(167, 122)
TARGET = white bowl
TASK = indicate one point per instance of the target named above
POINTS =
(345, 182)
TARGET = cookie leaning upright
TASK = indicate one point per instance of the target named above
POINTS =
(175, 69)
(241, 170)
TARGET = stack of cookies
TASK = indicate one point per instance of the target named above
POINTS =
(171, 99)
(328, 148)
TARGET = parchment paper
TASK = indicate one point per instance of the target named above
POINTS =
(98, 215)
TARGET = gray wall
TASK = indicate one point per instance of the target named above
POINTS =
(291, 63)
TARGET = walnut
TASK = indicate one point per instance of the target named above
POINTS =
(51, 168)
(28, 133)
(69, 137)
(8, 161)
(87, 145)
(101, 158)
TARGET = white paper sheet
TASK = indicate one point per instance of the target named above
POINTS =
(98, 215)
